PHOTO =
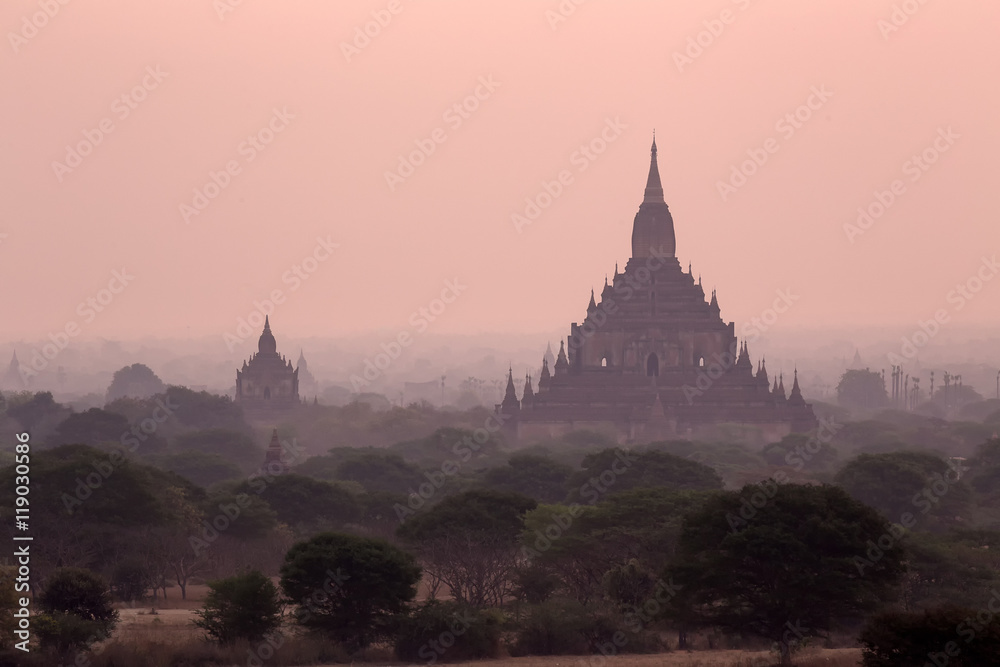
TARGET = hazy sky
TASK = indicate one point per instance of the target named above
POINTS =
(339, 110)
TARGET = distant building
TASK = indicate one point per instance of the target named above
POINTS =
(267, 382)
(548, 359)
(13, 379)
(307, 383)
(274, 458)
(653, 358)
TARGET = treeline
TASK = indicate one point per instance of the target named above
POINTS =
(544, 557)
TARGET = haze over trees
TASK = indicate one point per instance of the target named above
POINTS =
(135, 381)
(576, 537)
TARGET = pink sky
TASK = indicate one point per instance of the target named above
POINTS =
(343, 123)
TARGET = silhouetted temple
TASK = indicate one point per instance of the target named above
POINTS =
(267, 381)
(653, 358)
(13, 379)
(274, 458)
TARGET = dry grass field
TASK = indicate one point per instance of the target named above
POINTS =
(141, 636)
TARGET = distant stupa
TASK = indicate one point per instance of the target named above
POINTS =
(267, 381)
(13, 379)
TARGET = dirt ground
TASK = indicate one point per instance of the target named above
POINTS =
(172, 623)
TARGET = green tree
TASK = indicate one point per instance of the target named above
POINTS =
(470, 543)
(305, 502)
(531, 475)
(130, 580)
(38, 413)
(246, 606)
(615, 470)
(793, 568)
(202, 410)
(235, 447)
(199, 467)
(352, 589)
(783, 452)
(380, 471)
(448, 631)
(958, 568)
(78, 609)
(137, 381)
(256, 518)
(907, 482)
(93, 427)
(580, 544)
(862, 390)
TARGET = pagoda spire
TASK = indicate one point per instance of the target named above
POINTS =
(510, 406)
(781, 388)
(653, 226)
(562, 363)
(654, 190)
(795, 398)
(543, 379)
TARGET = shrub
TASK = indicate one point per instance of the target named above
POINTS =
(77, 611)
(949, 635)
(351, 589)
(62, 632)
(566, 627)
(555, 627)
(242, 607)
(448, 631)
